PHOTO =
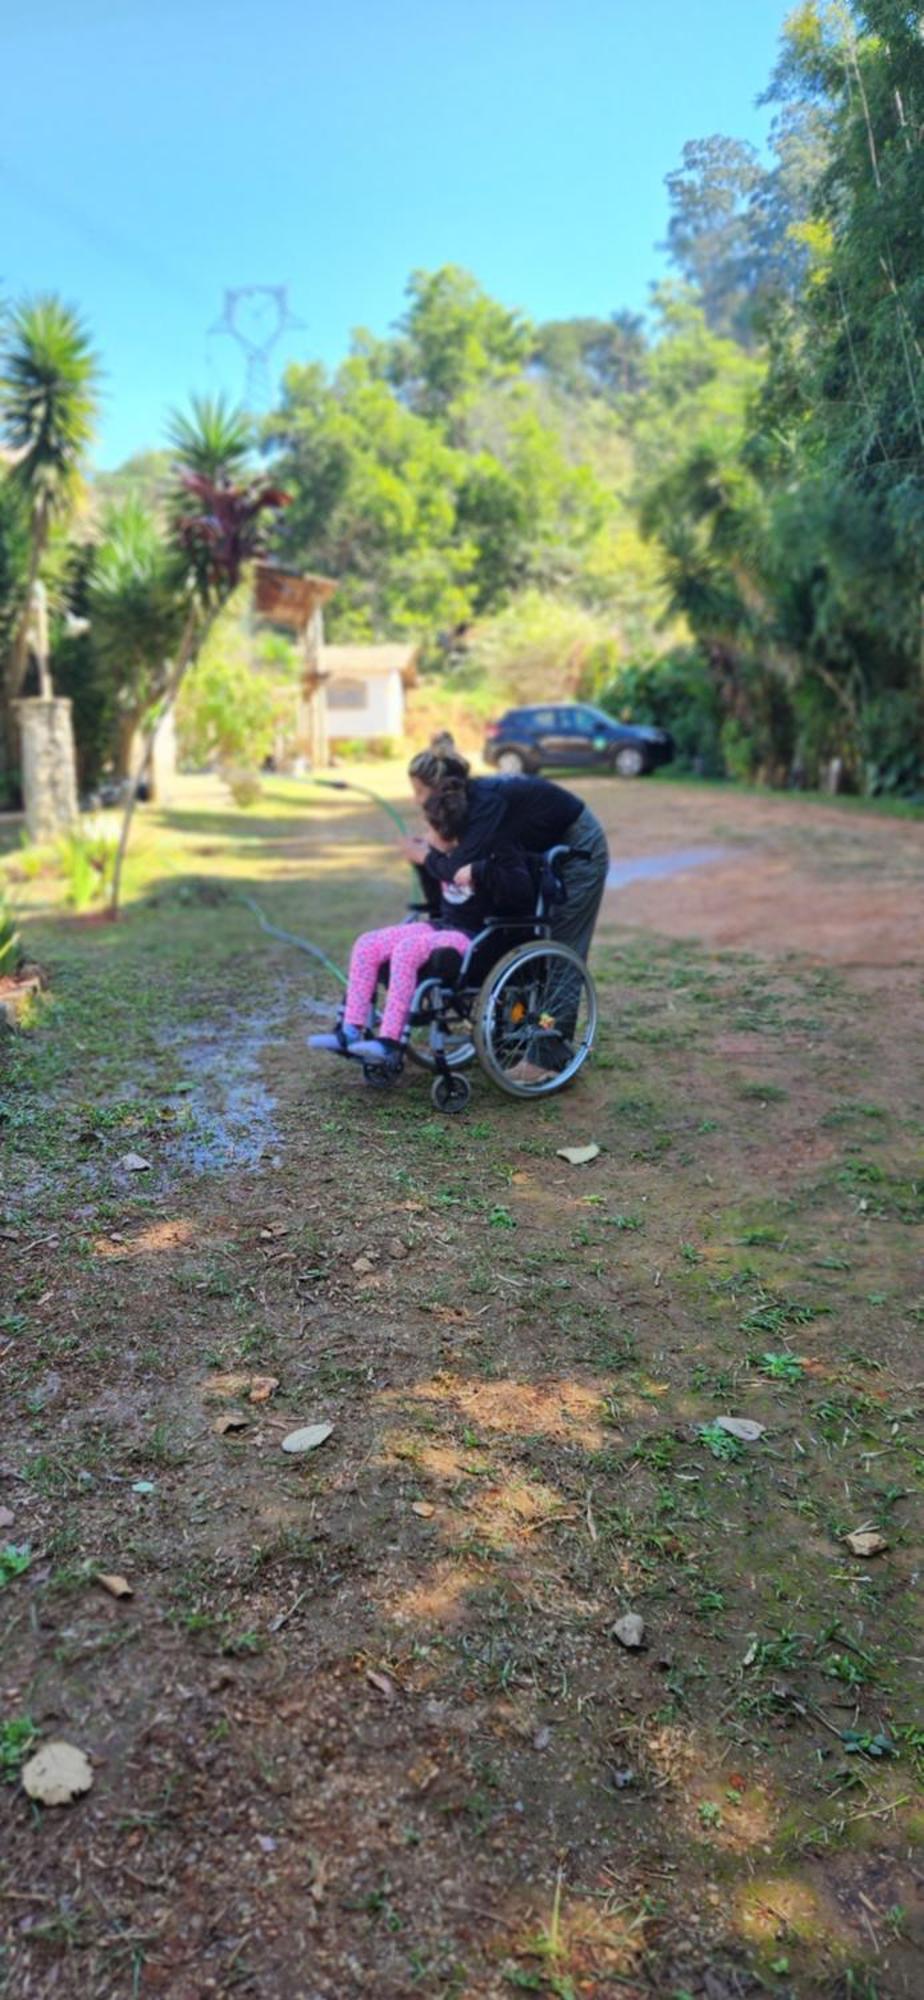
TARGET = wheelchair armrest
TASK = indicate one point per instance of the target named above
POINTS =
(491, 926)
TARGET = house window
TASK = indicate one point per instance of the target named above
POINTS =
(347, 694)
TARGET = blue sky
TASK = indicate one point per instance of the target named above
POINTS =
(155, 152)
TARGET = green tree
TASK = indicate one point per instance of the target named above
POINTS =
(136, 610)
(710, 236)
(844, 404)
(435, 485)
(452, 339)
(145, 478)
(736, 225)
(216, 530)
(229, 707)
(593, 357)
(373, 488)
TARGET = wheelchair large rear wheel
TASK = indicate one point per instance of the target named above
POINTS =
(536, 1019)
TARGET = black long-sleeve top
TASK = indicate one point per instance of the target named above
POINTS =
(504, 885)
(532, 813)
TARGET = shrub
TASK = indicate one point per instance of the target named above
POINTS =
(740, 755)
(676, 692)
(534, 650)
(244, 784)
(11, 953)
(86, 858)
(892, 744)
(360, 749)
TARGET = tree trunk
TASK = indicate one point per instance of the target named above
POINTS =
(190, 645)
(19, 650)
(17, 665)
(126, 730)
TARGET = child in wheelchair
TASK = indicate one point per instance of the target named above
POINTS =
(502, 885)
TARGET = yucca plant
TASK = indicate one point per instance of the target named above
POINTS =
(213, 440)
(48, 400)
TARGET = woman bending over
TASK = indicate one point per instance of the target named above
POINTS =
(499, 884)
(530, 813)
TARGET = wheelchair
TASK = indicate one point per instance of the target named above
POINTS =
(521, 1003)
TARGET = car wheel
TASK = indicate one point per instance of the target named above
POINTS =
(512, 763)
(629, 761)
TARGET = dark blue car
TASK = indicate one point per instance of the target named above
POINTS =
(574, 734)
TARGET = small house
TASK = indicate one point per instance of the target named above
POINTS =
(363, 690)
(349, 693)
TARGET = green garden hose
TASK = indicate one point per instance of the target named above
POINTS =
(304, 944)
(345, 785)
(288, 937)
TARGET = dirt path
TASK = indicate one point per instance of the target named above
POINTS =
(365, 1726)
(825, 881)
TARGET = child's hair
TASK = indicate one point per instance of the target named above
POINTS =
(447, 809)
(433, 767)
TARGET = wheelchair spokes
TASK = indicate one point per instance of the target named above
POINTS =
(536, 1019)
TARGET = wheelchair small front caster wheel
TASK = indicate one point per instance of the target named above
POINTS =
(450, 1093)
(381, 1075)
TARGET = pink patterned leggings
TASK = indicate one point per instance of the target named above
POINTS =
(408, 946)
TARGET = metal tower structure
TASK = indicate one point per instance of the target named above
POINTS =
(256, 317)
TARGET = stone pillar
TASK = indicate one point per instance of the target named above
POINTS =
(49, 777)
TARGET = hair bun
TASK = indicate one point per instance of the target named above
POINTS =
(433, 768)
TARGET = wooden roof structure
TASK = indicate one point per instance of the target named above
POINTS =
(287, 598)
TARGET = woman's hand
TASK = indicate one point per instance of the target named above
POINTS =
(463, 877)
(414, 848)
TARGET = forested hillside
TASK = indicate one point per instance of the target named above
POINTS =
(710, 518)
(717, 514)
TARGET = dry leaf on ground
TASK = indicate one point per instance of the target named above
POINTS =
(741, 1427)
(134, 1163)
(234, 1382)
(577, 1156)
(117, 1586)
(382, 1683)
(57, 1774)
(262, 1388)
(231, 1420)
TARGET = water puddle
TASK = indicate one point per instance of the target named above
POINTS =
(225, 1112)
(658, 867)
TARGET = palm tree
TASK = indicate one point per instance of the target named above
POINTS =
(48, 400)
